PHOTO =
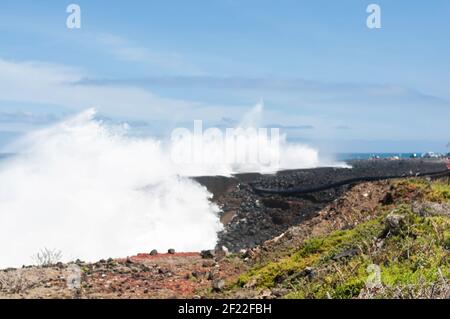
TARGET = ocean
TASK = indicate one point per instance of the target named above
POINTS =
(363, 156)
(339, 156)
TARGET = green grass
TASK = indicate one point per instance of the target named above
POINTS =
(437, 191)
(412, 255)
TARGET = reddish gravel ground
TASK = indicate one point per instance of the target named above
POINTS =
(180, 275)
(147, 257)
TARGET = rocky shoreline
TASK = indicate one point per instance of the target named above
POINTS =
(250, 218)
(264, 230)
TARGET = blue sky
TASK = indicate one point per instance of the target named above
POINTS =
(324, 76)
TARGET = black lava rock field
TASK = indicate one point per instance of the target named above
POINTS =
(251, 217)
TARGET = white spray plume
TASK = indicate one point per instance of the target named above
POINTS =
(91, 191)
(251, 151)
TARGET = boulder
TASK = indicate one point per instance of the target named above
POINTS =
(218, 284)
(394, 223)
(431, 209)
(207, 254)
(154, 252)
(346, 254)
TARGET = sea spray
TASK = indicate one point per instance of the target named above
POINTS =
(248, 147)
(92, 191)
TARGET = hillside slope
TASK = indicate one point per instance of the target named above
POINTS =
(401, 250)
(388, 239)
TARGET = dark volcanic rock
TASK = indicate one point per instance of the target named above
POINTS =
(310, 178)
(260, 217)
(207, 254)
(346, 254)
(154, 252)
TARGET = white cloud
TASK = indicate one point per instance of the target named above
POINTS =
(35, 83)
(122, 50)
(32, 82)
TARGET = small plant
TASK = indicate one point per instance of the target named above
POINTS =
(47, 257)
(13, 282)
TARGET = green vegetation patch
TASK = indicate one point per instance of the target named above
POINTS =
(436, 191)
(399, 248)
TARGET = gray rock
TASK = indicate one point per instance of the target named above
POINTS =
(197, 274)
(154, 252)
(308, 272)
(212, 275)
(266, 294)
(279, 292)
(79, 262)
(171, 251)
(207, 254)
(163, 271)
(346, 254)
(394, 223)
(208, 263)
(218, 284)
(431, 209)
